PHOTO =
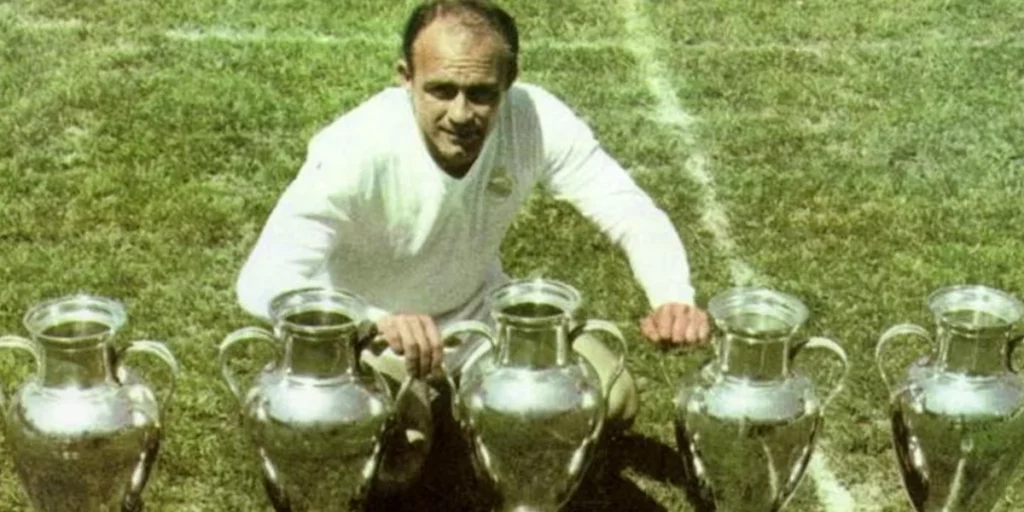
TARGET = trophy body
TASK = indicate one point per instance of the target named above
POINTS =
(318, 420)
(532, 409)
(84, 430)
(747, 425)
(957, 427)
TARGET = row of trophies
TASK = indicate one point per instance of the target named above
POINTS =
(84, 430)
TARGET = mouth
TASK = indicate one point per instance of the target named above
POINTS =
(464, 137)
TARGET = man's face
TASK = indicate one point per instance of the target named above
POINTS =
(458, 81)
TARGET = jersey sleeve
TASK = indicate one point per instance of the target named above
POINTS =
(303, 228)
(580, 171)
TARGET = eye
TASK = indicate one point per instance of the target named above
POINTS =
(442, 91)
(483, 95)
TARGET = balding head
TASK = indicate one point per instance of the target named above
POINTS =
(474, 18)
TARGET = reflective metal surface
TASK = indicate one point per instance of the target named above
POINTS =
(533, 410)
(84, 431)
(957, 427)
(747, 424)
(317, 418)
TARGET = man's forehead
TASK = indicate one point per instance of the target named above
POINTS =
(453, 37)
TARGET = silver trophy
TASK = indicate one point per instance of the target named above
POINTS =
(84, 430)
(317, 417)
(532, 409)
(747, 422)
(957, 427)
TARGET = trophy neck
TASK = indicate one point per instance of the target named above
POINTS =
(754, 328)
(78, 362)
(532, 319)
(974, 326)
(320, 344)
(74, 333)
(754, 358)
(976, 352)
(533, 345)
(318, 358)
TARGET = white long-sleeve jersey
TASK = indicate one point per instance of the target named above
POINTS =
(371, 212)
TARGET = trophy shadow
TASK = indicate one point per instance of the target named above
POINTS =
(606, 489)
(449, 483)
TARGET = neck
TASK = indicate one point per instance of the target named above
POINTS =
(975, 355)
(81, 368)
(319, 358)
(454, 170)
(533, 347)
(754, 359)
(457, 172)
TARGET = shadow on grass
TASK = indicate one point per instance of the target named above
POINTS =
(605, 489)
(448, 484)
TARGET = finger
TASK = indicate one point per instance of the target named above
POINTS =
(386, 329)
(412, 348)
(705, 326)
(663, 321)
(648, 329)
(426, 353)
(680, 324)
(436, 344)
(693, 327)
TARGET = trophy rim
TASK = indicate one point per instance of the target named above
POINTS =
(565, 297)
(318, 298)
(80, 307)
(758, 298)
(982, 297)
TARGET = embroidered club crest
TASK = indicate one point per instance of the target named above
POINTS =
(500, 184)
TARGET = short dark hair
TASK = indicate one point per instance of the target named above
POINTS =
(484, 10)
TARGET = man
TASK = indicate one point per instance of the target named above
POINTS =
(405, 199)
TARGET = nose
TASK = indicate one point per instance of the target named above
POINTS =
(459, 112)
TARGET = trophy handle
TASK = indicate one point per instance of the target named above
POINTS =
(371, 339)
(132, 502)
(449, 333)
(613, 330)
(163, 354)
(468, 327)
(448, 337)
(906, 329)
(243, 334)
(17, 342)
(1011, 349)
(830, 345)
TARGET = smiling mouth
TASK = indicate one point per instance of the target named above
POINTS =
(464, 138)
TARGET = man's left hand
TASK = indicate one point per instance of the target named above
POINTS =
(676, 323)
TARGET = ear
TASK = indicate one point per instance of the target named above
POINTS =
(404, 73)
(513, 73)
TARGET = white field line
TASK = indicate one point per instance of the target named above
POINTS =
(298, 37)
(670, 113)
(831, 493)
(257, 36)
(231, 35)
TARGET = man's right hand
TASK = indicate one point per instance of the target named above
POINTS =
(416, 338)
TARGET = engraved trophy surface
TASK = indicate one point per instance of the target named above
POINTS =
(532, 408)
(957, 428)
(317, 417)
(747, 423)
(84, 430)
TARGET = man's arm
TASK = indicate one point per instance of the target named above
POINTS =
(581, 172)
(301, 232)
(316, 210)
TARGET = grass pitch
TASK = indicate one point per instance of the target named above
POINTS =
(862, 156)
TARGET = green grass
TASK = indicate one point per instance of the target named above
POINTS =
(865, 156)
